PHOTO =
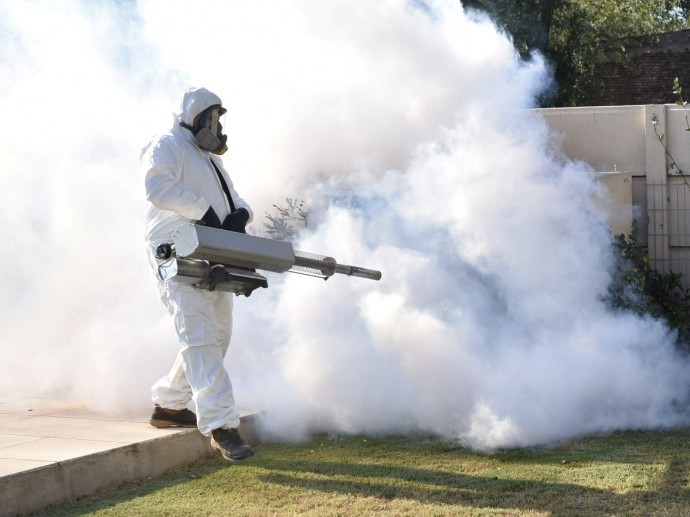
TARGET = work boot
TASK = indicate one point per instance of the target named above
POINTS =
(230, 444)
(163, 417)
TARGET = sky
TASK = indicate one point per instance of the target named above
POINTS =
(405, 128)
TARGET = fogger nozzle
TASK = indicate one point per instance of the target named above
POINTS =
(361, 272)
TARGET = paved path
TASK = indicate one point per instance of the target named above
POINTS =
(54, 450)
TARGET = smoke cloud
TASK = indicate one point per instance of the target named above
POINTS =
(403, 127)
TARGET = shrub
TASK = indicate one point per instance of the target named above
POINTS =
(287, 221)
(639, 288)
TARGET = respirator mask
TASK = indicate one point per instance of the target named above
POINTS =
(208, 130)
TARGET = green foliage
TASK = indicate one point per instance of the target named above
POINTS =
(527, 21)
(574, 50)
(639, 288)
(603, 26)
(287, 221)
(575, 34)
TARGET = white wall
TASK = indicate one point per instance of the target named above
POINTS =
(626, 140)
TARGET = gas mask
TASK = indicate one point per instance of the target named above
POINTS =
(208, 130)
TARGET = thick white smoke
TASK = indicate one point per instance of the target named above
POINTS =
(402, 125)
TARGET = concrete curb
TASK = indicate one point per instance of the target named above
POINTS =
(65, 481)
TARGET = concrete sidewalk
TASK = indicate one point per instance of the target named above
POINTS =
(53, 451)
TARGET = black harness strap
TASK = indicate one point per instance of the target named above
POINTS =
(225, 187)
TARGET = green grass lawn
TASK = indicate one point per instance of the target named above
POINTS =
(631, 473)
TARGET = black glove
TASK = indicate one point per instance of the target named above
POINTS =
(236, 221)
(211, 218)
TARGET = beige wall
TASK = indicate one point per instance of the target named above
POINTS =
(621, 143)
(607, 138)
(620, 208)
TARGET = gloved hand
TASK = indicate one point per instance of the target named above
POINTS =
(211, 218)
(236, 221)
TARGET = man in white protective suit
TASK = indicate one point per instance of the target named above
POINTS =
(186, 182)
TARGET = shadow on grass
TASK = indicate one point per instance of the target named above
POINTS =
(460, 490)
(385, 479)
(624, 447)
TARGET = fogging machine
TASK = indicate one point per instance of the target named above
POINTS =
(211, 258)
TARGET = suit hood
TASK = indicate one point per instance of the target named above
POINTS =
(193, 102)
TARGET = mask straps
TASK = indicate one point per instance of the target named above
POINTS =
(187, 126)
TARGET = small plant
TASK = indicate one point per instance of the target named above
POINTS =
(678, 91)
(639, 288)
(287, 221)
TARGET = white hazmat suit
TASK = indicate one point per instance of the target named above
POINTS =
(181, 185)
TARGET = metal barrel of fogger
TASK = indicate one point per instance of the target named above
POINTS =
(237, 249)
(319, 265)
